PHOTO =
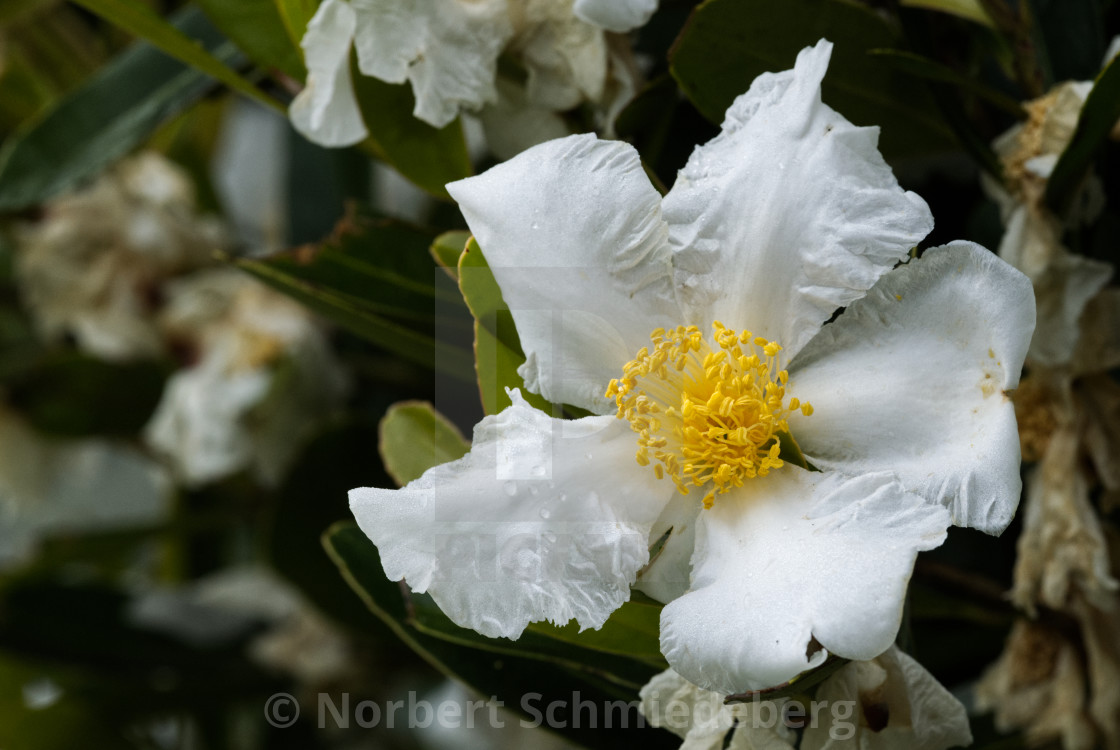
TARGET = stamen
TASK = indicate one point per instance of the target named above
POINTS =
(718, 411)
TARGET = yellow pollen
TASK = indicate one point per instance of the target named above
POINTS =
(711, 420)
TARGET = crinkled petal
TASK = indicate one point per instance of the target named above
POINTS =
(573, 232)
(792, 560)
(326, 112)
(543, 520)
(615, 15)
(565, 58)
(913, 379)
(920, 713)
(447, 49)
(792, 207)
(703, 720)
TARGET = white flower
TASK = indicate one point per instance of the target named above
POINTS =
(54, 486)
(448, 51)
(263, 378)
(888, 702)
(786, 216)
(92, 267)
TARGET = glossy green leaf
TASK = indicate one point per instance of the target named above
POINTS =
(627, 674)
(120, 106)
(296, 14)
(524, 685)
(1098, 117)
(446, 251)
(931, 70)
(414, 437)
(75, 395)
(633, 631)
(429, 157)
(973, 10)
(257, 27)
(375, 278)
(727, 43)
(139, 19)
(498, 351)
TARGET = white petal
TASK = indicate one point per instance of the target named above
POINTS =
(514, 124)
(789, 213)
(566, 59)
(199, 425)
(667, 576)
(913, 379)
(573, 232)
(448, 49)
(703, 720)
(920, 713)
(326, 111)
(792, 557)
(615, 15)
(543, 520)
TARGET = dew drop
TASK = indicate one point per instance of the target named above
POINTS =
(510, 488)
(550, 538)
(535, 225)
(546, 513)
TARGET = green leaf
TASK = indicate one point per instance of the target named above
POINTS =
(429, 157)
(633, 631)
(931, 70)
(727, 43)
(257, 27)
(524, 685)
(1098, 117)
(626, 673)
(296, 14)
(973, 10)
(498, 351)
(75, 395)
(375, 278)
(414, 437)
(139, 19)
(446, 251)
(119, 107)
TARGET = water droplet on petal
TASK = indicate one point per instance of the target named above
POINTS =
(546, 513)
(510, 488)
(535, 225)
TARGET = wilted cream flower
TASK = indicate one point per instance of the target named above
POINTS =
(94, 265)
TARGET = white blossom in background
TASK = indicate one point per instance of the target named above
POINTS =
(887, 703)
(297, 639)
(51, 486)
(787, 215)
(448, 51)
(263, 378)
(93, 266)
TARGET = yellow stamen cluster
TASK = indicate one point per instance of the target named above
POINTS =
(709, 418)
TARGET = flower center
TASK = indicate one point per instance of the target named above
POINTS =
(710, 418)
